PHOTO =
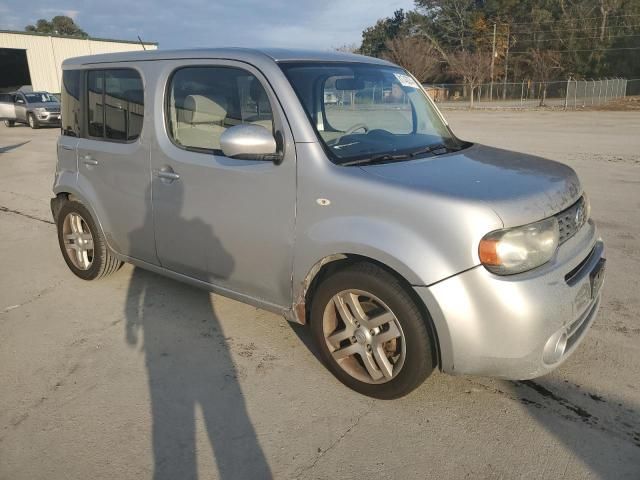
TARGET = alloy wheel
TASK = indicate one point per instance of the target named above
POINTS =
(78, 241)
(364, 336)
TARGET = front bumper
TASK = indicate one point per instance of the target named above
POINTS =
(48, 118)
(510, 326)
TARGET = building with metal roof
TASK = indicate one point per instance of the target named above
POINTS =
(35, 59)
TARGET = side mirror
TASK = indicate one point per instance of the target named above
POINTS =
(249, 142)
(19, 100)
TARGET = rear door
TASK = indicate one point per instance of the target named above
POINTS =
(7, 108)
(113, 159)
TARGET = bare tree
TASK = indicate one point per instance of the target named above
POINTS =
(473, 67)
(544, 63)
(606, 7)
(415, 54)
(347, 48)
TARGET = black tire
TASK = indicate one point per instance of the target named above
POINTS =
(104, 262)
(420, 346)
(9, 123)
(33, 121)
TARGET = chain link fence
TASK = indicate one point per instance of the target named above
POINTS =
(569, 93)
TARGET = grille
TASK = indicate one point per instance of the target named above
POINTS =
(571, 220)
(53, 109)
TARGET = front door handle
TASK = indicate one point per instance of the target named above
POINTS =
(167, 174)
(89, 160)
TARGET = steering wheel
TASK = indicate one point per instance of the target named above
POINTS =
(349, 131)
(355, 127)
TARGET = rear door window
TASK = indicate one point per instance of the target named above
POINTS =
(115, 104)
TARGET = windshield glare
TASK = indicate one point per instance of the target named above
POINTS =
(363, 110)
(40, 97)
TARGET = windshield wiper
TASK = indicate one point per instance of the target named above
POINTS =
(382, 158)
(432, 149)
(390, 157)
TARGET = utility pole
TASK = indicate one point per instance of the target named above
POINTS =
(493, 60)
(506, 65)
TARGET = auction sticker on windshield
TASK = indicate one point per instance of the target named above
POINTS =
(406, 80)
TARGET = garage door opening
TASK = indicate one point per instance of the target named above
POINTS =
(14, 69)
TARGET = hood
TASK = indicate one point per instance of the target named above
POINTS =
(520, 188)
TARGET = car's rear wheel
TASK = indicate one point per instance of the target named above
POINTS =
(9, 123)
(33, 121)
(371, 333)
(82, 244)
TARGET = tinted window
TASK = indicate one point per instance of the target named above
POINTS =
(115, 104)
(95, 93)
(204, 101)
(71, 103)
(6, 98)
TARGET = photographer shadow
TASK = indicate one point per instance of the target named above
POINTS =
(189, 364)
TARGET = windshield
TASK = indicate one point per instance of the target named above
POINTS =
(40, 97)
(368, 112)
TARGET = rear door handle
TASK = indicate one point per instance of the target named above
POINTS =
(167, 174)
(67, 147)
(89, 160)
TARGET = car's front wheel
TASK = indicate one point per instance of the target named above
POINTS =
(33, 121)
(371, 333)
(83, 246)
(9, 123)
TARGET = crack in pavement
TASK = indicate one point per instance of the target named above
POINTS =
(34, 298)
(335, 443)
(26, 215)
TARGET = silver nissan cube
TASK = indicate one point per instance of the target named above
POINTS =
(328, 188)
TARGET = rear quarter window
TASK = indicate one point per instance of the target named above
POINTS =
(70, 104)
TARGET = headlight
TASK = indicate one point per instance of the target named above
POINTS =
(515, 250)
(40, 109)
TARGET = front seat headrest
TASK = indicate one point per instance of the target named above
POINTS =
(201, 109)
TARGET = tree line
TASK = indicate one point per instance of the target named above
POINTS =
(58, 25)
(477, 41)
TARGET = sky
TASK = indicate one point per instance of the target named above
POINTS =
(322, 24)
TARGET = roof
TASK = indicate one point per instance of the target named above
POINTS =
(97, 39)
(230, 53)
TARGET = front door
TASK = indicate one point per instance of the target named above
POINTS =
(225, 221)
(20, 103)
(113, 160)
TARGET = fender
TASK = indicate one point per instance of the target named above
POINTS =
(403, 250)
(72, 190)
